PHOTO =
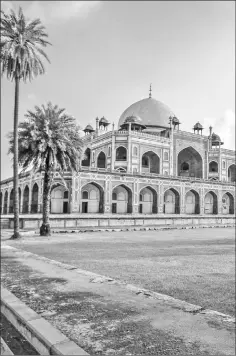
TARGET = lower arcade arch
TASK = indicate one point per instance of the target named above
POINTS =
(210, 203)
(122, 200)
(25, 205)
(147, 201)
(1, 202)
(92, 198)
(59, 200)
(192, 202)
(11, 202)
(171, 201)
(228, 204)
(35, 197)
(5, 203)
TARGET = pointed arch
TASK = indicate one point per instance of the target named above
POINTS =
(213, 166)
(5, 202)
(150, 162)
(101, 160)
(59, 199)
(192, 202)
(87, 157)
(171, 201)
(121, 153)
(148, 200)
(232, 173)
(11, 201)
(19, 190)
(25, 207)
(92, 198)
(1, 202)
(35, 197)
(123, 202)
(210, 203)
(190, 163)
(228, 203)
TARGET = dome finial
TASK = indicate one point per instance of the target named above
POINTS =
(150, 91)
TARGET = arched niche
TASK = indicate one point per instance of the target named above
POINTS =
(210, 203)
(192, 202)
(92, 198)
(150, 162)
(232, 173)
(190, 163)
(101, 160)
(5, 202)
(35, 198)
(213, 167)
(11, 202)
(121, 154)
(59, 200)
(147, 201)
(19, 190)
(87, 155)
(25, 205)
(227, 204)
(123, 202)
(171, 201)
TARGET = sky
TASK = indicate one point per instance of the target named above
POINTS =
(105, 54)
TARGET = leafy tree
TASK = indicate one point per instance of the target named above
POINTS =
(49, 141)
(22, 56)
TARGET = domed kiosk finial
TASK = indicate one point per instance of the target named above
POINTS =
(150, 91)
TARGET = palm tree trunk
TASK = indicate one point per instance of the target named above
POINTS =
(45, 229)
(16, 234)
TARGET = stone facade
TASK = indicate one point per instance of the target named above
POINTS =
(137, 171)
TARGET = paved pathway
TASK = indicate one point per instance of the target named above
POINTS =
(107, 318)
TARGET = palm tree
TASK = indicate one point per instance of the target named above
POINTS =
(49, 141)
(22, 57)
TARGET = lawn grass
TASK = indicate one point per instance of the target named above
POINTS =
(193, 265)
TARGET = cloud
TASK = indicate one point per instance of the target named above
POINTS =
(224, 127)
(54, 11)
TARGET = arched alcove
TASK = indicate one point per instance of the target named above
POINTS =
(192, 202)
(25, 206)
(5, 202)
(59, 200)
(11, 202)
(232, 173)
(147, 201)
(213, 166)
(101, 161)
(35, 197)
(190, 163)
(227, 203)
(171, 201)
(121, 154)
(86, 161)
(92, 198)
(210, 203)
(150, 162)
(123, 202)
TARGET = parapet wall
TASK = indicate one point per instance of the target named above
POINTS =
(72, 221)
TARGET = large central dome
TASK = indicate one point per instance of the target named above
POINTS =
(151, 111)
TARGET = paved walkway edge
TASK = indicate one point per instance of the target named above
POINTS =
(5, 349)
(46, 339)
(146, 293)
